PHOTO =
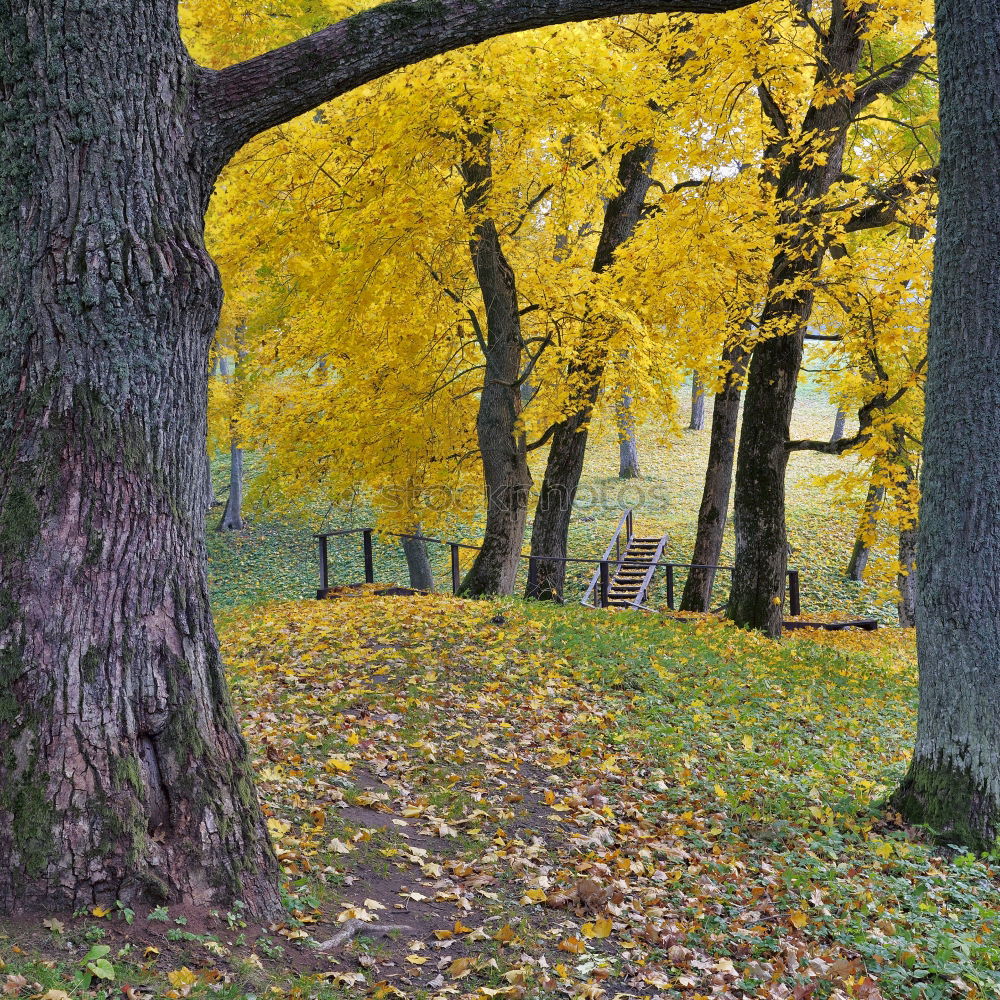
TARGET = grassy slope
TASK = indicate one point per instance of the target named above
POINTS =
(555, 802)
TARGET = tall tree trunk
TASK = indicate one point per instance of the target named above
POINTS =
(714, 508)
(232, 516)
(758, 590)
(550, 530)
(697, 422)
(861, 552)
(839, 423)
(628, 446)
(123, 773)
(953, 784)
(418, 563)
(501, 442)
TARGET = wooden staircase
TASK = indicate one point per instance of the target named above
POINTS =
(634, 575)
(629, 565)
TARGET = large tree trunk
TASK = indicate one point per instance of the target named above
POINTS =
(861, 552)
(953, 784)
(758, 590)
(550, 530)
(697, 421)
(123, 774)
(501, 442)
(714, 508)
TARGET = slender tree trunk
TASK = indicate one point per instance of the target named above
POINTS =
(550, 530)
(697, 422)
(123, 773)
(907, 579)
(953, 784)
(628, 447)
(861, 552)
(232, 516)
(758, 592)
(714, 508)
(209, 486)
(501, 443)
(418, 563)
(839, 423)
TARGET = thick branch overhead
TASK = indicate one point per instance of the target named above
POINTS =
(243, 100)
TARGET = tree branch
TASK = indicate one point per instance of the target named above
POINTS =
(244, 100)
(865, 421)
(885, 208)
(890, 78)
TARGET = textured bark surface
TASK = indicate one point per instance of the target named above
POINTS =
(714, 508)
(953, 783)
(862, 550)
(502, 446)
(123, 774)
(697, 421)
(758, 590)
(550, 530)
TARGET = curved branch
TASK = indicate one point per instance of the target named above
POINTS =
(865, 421)
(244, 100)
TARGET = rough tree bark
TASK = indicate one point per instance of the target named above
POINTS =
(953, 783)
(554, 509)
(714, 508)
(628, 445)
(123, 774)
(758, 590)
(697, 421)
(502, 445)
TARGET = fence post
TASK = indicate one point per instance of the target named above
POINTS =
(324, 568)
(670, 586)
(605, 585)
(369, 561)
(532, 577)
(456, 571)
(793, 593)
